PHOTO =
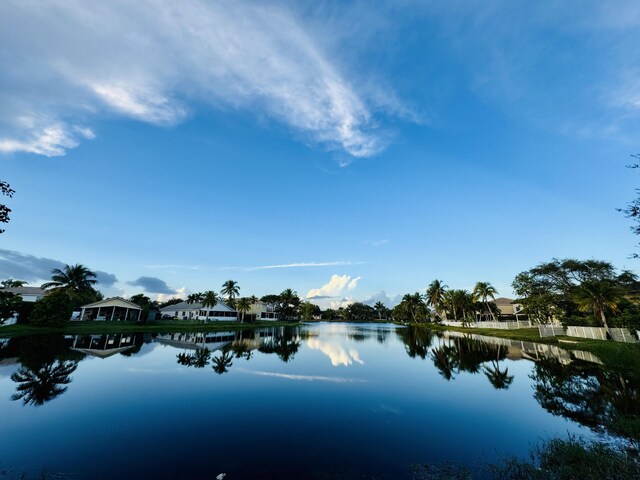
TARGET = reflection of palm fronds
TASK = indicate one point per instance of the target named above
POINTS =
(445, 360)
(199, 359)
(37, 386)
(222, 363)
(499, 379)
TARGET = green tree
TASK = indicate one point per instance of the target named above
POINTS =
(11, 283)
(482, 292)
(632, 210)
(10, 303)
(52, 310)
(288, 305)
(306, 311)
(598, 297)
(231, 289)
(380, 309)
(243, 306)
(6, 190)
(412, 309)
(76, 282)
(194, 298)
(436, 297)
(209, 300)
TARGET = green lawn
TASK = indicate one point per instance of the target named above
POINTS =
(161, 326)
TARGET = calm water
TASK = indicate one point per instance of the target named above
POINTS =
(323, 401)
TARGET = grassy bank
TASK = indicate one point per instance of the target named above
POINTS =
(620, 356)
(168, 326)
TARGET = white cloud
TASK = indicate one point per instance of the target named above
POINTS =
(335, 287)
(293, 265)
(157, 60)
(382, 296)
(179, 293)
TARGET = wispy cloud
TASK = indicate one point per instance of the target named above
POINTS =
(377, 243)
(293, 265)
(305, 378)
(156, 61)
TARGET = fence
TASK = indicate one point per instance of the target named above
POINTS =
(551, 330)
(599, 333)
(497, 325)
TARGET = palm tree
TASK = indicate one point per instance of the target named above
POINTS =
(436, 297)
(75, 281)
(498, 378)
(598, 296)
(194, 298)
(289, 304)
(380, 308)
(482, 292)
(231, 289)
(209, 299)
(243, 305)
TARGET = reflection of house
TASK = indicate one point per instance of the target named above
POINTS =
(264, 311)
(104, 345)
(508, 307)
(212, 341)
(28, 294)
(196, 311)
(111, 309)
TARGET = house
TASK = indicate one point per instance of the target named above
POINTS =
(111, 309)
(508, 307)
(28, 294)
(264, 311)
(196, 311)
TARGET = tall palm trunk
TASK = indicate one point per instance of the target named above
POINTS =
(603, 319)
(493, 317)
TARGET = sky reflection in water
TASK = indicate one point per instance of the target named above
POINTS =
(325, 399)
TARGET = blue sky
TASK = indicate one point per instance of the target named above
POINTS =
(351, 150)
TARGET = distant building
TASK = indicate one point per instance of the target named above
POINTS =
(508, 307)
(111, 309)
(264, 311)
(28, 294)
(196, 311)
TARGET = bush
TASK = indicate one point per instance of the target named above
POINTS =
(53, 310)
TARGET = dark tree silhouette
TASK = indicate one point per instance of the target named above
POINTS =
(38, 385)
(6, 190)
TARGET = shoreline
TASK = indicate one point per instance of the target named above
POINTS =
(96, 328)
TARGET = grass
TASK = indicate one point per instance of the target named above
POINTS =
(616, 355)
(161, 326)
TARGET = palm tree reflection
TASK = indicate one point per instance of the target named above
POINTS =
(222, 363)
(38, 385)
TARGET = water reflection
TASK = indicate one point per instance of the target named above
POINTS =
(39, 385)
(603, 400)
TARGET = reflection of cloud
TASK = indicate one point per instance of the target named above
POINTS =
(306, 378)
(336, 352)
(382, 408)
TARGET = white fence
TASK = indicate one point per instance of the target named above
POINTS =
(551, 330)
(498, 325)
(599, 333)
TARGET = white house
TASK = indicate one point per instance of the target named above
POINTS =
(264, 311)
(196, 311)
(111, 309)
(28, 294)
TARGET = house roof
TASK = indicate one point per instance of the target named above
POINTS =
(114, 302)
(195, 306)
(504, 301)
(24, 290)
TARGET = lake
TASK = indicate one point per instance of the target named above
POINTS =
(320, 401)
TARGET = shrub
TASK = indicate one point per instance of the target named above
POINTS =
(52, 310)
